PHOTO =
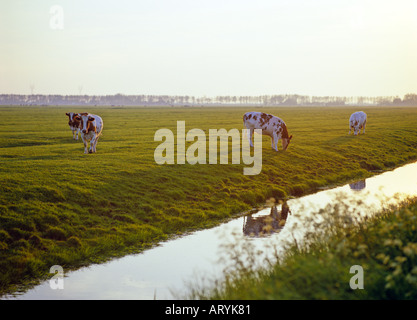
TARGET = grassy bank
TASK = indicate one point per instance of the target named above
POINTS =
(59, 206)
(385, 247)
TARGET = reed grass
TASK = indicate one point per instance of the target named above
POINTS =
(384, 245)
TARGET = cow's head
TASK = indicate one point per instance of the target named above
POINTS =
(286, 142)
(71, 117)
(85, 120)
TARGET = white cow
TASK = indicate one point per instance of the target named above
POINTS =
(91, 127)
(357, 121)
(74, 124)
(271, 126)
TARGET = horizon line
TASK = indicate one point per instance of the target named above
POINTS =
(204, 95)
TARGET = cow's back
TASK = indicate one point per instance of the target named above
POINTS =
(359, 116)
(260, 119)
(251, 118)
(98, 123)
(268, 123)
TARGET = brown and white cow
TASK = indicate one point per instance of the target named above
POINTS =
(271, 126)
(91, 126)
(74, 124)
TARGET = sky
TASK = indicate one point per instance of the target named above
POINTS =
(209, 47)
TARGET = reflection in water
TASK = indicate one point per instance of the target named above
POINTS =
(163, 272)
(266, 224)
(359, 185)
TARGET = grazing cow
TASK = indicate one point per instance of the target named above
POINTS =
(271, 126)
(91, 127)
(74, 124)
(357, 121)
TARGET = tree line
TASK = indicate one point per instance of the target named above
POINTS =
(186, 100)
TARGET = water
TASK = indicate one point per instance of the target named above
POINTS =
(169, 270)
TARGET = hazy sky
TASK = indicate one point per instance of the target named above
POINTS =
(209, 47)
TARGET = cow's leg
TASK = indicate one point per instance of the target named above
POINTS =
(85, 144)
(275, 142)
(364, 125)
(92, 144)
(251, 130)
(73, 134)
(95, 143)
(77, 132)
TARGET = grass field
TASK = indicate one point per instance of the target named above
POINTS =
(60, 206)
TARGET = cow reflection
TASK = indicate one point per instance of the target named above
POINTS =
(264, 225)
(359, 185)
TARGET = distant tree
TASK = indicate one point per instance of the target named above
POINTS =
(397, 101)
(410, 99)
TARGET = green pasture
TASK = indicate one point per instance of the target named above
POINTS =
(59, 206)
